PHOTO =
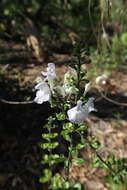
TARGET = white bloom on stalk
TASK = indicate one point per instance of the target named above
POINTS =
(68, 84)
(51, 73)
(43, 93)
(80, 112)
(87, 88)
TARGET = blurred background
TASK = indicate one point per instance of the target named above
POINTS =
(35, 32)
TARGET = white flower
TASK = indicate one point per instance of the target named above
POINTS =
(43, 94)
(87, 88)
(80, 113)
(50, 74)
(76, 115)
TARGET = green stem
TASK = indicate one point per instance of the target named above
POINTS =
(78, 78)
(69, 159)
(104, 162)
(100, 158)
(78, 72)
(50, 150)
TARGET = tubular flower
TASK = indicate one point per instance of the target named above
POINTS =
(50, 74)
(80, 112)
(43, 93)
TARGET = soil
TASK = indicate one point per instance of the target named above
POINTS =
(21, 126)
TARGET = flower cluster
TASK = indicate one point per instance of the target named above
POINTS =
(43, 93)
(45, 89)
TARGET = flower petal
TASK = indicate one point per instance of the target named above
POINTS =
(43, 94)
(89, 106)
(50, 74)
(76, 116)
(80, 113)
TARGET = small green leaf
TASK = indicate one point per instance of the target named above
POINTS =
(53, 159)
(80, 146)
(48, 173)
(68, 126)
(111, 159)
(44, 180)
(49, 146)
(60, 116)
(95, 145)
(82, 127)
(66, 163)
(78, 186)
(57, 181)
(49, 136)
(96, 162)
(66, 185)
(74, 153)
(79, 160)
(47, 176)
(65, 134)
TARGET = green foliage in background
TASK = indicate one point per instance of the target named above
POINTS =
(51, 17)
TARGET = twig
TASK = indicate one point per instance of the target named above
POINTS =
(15, 102)
(112, 101)
(100, 158)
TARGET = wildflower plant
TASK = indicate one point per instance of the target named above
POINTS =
(66, 131)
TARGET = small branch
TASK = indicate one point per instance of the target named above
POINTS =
(101, 159)
(15, 102)
(105, 163)
(112, 101)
